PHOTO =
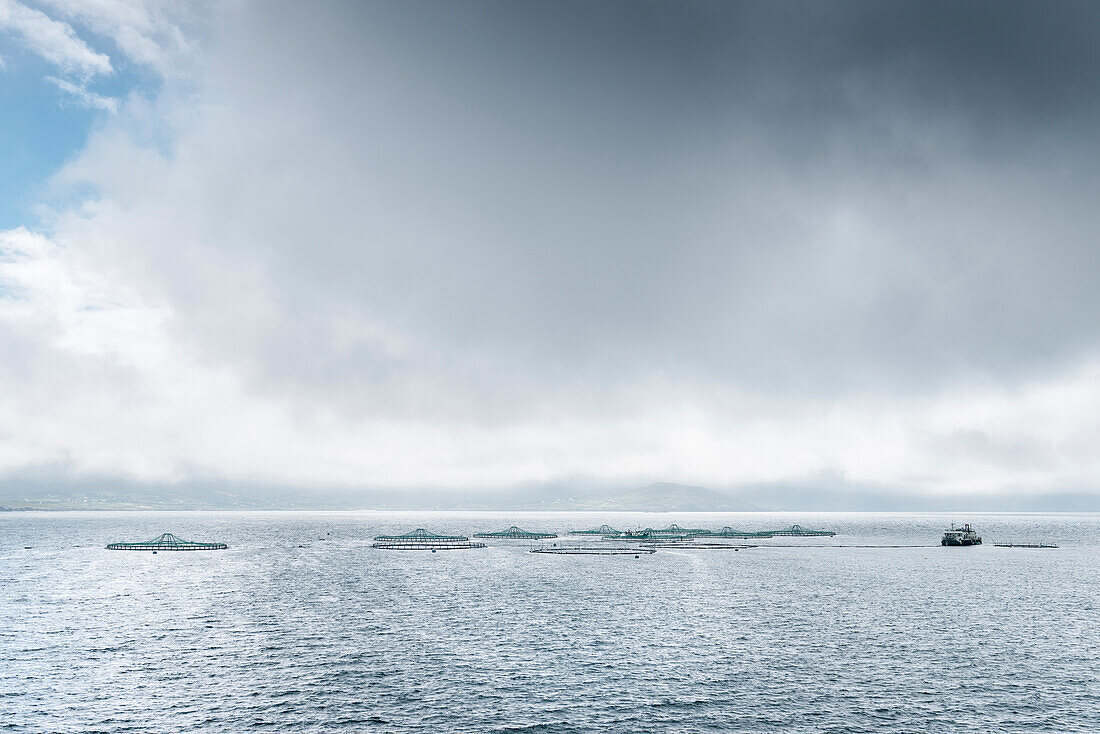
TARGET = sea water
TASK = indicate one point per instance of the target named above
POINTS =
(302, 626)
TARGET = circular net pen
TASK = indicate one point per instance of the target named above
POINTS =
(421, 539)
(801, 532)
(581, 550)
(728, 532)
(514, 533)
(601, 530)
(166, 542)
(695, 545)
(672, 532)
(675, 529)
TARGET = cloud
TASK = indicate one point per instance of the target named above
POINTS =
(109, 387)
(53, 40)
(477, 245)
(83, 96)
(157, 34)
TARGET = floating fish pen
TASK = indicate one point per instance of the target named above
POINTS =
(421, 539)
(514, 533)
(672, 532)
(166, 542)
(601, 530)
(592, 551)
(728, 532)
(694, 545)
(676, 530)
(1025, 545)
(801, 532)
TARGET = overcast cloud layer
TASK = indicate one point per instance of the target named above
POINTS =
(479, 244)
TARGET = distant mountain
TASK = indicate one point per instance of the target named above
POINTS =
(658, 497)
(820, 494)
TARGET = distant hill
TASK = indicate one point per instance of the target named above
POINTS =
(822, 494)
(658, 497)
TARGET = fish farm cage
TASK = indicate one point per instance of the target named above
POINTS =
(694, 545)
(421, 539)
(675, 532)
(592, 551)
(601, 530)
(514, 533)
(672, 532)
(799, 531)
(728, 532)
(166, 542)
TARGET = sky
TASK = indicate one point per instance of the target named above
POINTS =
(478, 245)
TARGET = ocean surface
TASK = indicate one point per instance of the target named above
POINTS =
(301, 626)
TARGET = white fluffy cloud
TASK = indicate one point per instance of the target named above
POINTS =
(102, 381)
(83, 96)
(53, 40)
(148, 34)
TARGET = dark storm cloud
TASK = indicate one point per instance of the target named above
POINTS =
(637, 71)
(479, 209)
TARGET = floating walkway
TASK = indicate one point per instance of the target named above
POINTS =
(166, 542)
(601, 530)
(514, 533)
(592, 551)
(421, 539)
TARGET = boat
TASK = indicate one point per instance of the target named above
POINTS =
(965, 535)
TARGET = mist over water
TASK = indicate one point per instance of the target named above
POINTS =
(302, 626)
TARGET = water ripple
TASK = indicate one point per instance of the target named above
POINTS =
(339, 637)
